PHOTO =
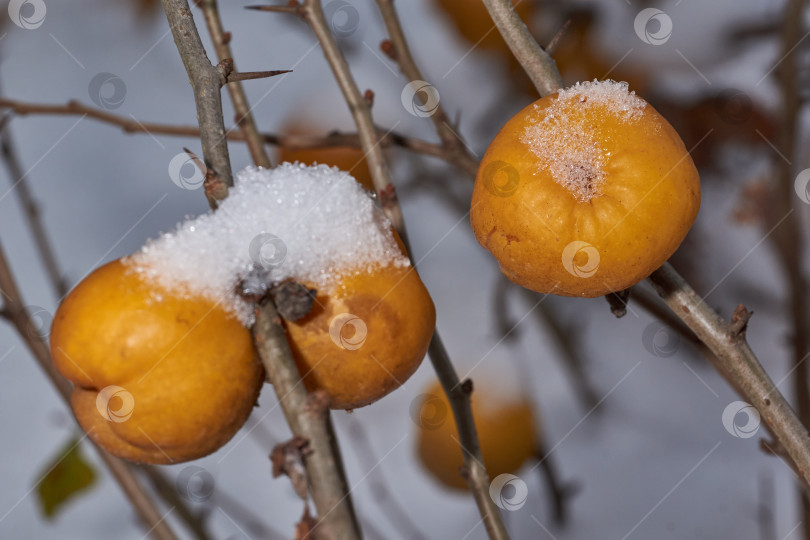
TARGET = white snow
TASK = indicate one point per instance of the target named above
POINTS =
(566, 144)
(312, 224)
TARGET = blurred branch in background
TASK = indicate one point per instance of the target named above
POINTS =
(387, 137)
(788, 237)
(382, 495)
(30, 209)
(308, 418)
(569, 356)
(653, 305)
(397, 49)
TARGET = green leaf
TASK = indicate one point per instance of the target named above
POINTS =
(66, 476)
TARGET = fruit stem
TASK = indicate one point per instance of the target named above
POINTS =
(537, 64)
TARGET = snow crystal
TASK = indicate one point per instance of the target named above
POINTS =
(312, 224)
(566, 143)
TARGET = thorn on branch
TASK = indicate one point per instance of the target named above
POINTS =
(618, 302)
(292, 7)
(772, 447)
(288, 458)
(388, 49)
(250, 75)
(739, 322)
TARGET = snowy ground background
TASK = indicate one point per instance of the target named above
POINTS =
(654, 462)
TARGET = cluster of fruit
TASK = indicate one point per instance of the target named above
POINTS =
(582, 193)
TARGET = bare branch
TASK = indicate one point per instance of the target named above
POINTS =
(293, 7)
(555, 41)
(308, 417)
(206, 82)
(74, 108)
(537, 64)
(653, 305)
(736, 362)
(166, 490)
(397, 49)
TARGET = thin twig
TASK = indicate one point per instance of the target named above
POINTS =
(537, 64)
(308, 417)
(788, 237)
(399, 51)
(572, 359)
(166, 490)
(737, 362)
(458, 394)
(14, 309)
(244, 118)
(555, 41)
(293, 141)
